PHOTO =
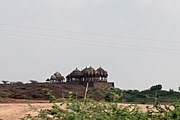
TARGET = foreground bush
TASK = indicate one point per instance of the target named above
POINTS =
(92, 110)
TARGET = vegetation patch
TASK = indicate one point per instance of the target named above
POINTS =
(93, 110)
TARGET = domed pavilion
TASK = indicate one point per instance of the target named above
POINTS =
(56, 78)
(87, 75)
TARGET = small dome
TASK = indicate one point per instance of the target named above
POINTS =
(76, 73)
(91, 70)
(53, 77)
(100, 69)
(57, 74)
(101, 72)
(85, 70)
(68, 76)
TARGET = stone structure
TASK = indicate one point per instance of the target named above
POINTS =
(96, 78)
(87, 75)
(56, 78)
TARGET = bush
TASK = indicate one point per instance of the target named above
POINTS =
(51, 97)
(93, 110)
(33, 81)
(5, 82)
(156, 87)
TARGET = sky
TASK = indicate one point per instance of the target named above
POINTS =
(136, 41)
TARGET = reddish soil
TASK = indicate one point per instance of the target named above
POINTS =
(10, 100)
(35, 91)
(15, 98)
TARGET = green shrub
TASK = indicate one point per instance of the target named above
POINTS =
(93, 110)
(51, 97)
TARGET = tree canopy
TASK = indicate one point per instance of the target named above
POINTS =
(156, 87)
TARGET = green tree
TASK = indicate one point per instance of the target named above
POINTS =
(33, 81)
(113, 94)
(5, 82)
(156, 87)
(50, 95)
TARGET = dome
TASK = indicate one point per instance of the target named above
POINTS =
(101, 72)
(76, 73)
(57, 74)
(68, 76)
(91, 70)
(85, 69)
(53, 77)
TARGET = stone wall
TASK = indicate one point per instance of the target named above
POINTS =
(103, 85)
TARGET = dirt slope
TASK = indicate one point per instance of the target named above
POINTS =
(35, 91)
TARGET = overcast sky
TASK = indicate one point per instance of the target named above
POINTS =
(136, 41)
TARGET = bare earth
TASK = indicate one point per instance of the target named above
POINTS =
(13, 109)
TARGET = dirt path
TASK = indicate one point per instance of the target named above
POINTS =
(15, 111)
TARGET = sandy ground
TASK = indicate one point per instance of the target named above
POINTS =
(13, 111)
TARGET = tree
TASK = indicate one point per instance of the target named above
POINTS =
(113, 94)
(156, 87)
(18, 82)
(5, 82)
(33, 81)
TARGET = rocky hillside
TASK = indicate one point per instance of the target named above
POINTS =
(35, 91)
